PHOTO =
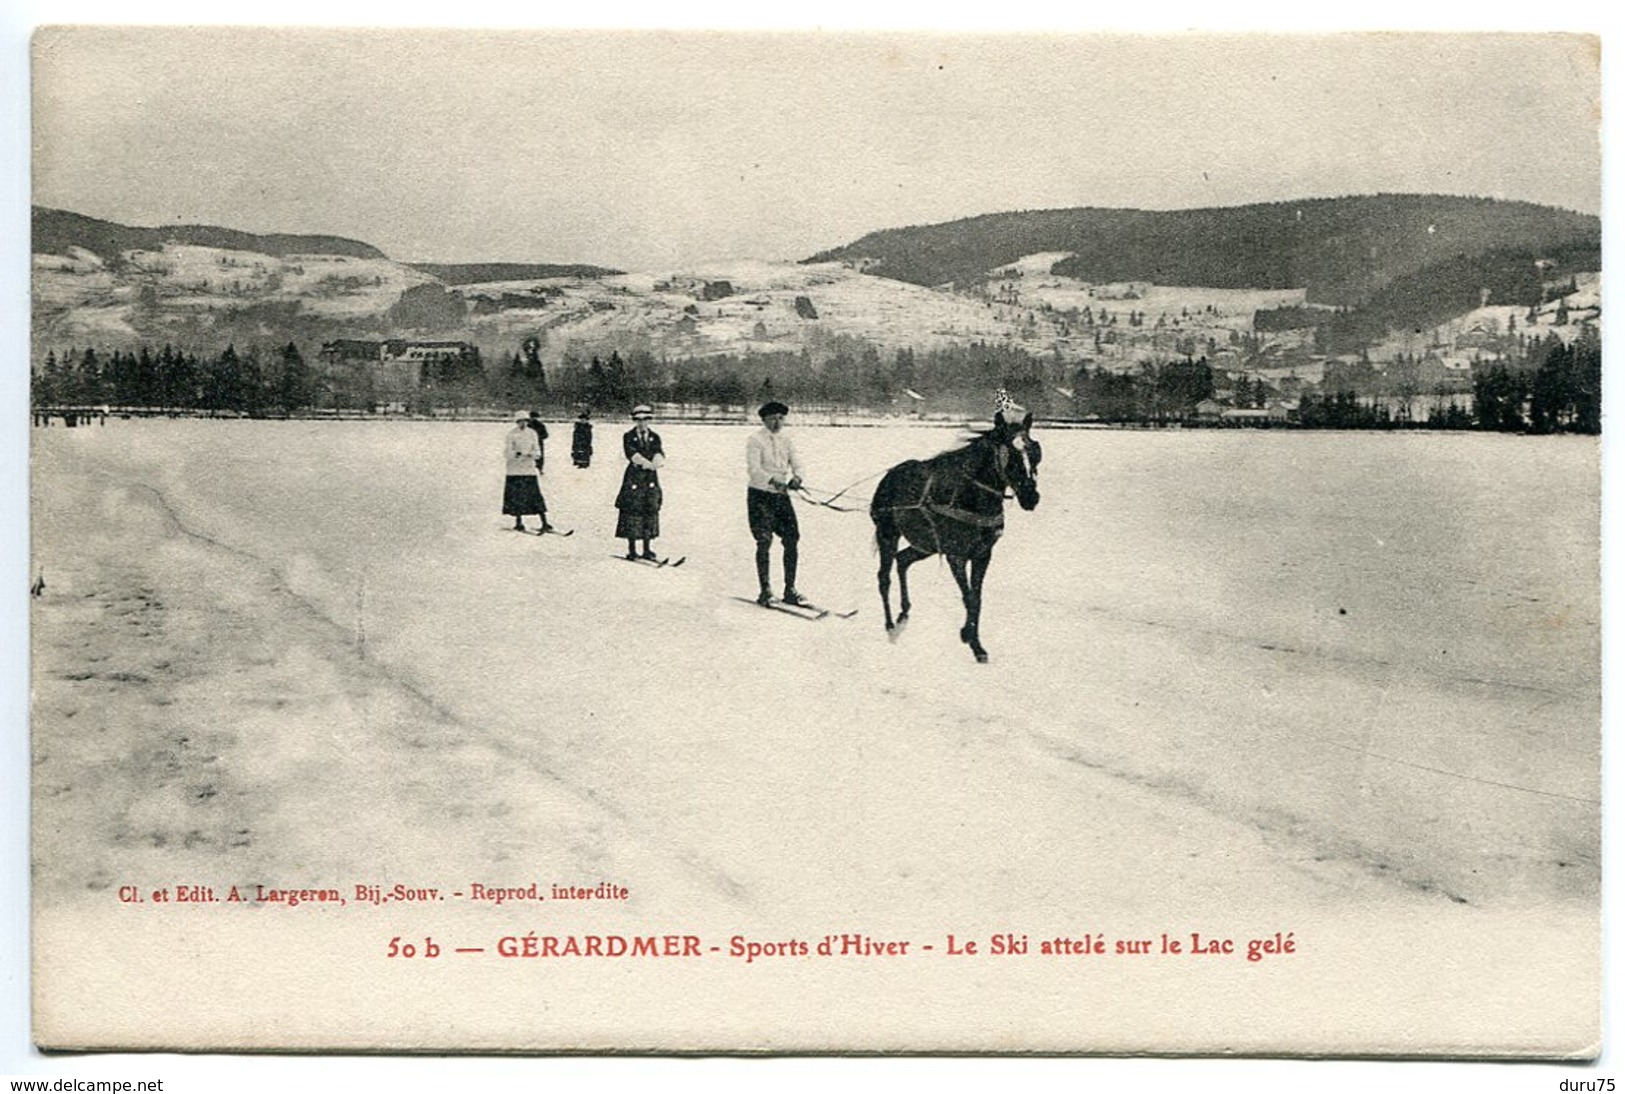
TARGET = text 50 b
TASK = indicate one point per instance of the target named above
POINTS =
(427, 948)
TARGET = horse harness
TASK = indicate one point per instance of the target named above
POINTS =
(931, 509)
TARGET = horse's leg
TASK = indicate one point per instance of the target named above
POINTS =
(973, 605)
(886, 540)
(956, 566)
(907, 557)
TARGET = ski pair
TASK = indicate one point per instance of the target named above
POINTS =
(812, 613)
(654, 563)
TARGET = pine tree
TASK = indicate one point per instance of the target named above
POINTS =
(222, 381)
(146, 378)
(294, 388)
(45, 382)
(88, 379)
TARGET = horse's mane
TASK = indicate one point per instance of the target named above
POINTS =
(967, 439)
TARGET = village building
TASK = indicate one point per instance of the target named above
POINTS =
(388, 371)
(1478, 335)
(1275, 412)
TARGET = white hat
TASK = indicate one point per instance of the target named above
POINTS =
(642, 410)
(521, 416)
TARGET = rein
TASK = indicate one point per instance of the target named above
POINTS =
(829, 502)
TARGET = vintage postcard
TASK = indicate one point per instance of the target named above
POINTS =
(816, 542)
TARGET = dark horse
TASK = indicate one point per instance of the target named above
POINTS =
(953, 505)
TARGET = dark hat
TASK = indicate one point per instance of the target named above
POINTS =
(774, 407)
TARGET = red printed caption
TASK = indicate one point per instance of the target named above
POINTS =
(368, 894)
(1184, 946)
(1181, 945)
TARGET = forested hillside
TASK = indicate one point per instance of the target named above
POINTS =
(1342, 250)
(55, 231)
(475, 273)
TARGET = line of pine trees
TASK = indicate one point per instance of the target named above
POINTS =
(1563, 394)
(1560, 391)
(1556, 388)
(173, 379)
(838, 370)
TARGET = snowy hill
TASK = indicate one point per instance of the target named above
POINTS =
(743, 306)
(104, 284)
(55, 230)
(154, 289)
(175, 288)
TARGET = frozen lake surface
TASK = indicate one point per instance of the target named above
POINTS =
(1233, 675)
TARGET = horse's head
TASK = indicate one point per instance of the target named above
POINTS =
(1016, 456)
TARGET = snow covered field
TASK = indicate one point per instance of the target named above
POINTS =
(1339, 684)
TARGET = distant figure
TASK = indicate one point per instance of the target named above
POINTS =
(522, 494)
(39, 584)
(581, 440)
(640, 496)
(770, 460)
(1003, 404)
(536, 424)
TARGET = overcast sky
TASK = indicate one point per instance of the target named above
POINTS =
(647, 150)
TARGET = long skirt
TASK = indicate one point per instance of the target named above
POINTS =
(639, 505)
(522, 497)
(634, 524)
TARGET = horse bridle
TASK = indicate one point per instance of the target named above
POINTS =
(1001, 463)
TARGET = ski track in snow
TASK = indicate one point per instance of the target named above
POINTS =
(442, 644)
(439, 712)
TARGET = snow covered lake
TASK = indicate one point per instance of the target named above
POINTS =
(1239, 681)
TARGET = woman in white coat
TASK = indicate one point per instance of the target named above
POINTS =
(522, 494)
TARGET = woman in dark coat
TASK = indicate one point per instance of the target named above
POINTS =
(640, 497)
(581, 440)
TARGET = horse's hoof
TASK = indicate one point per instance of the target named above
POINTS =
(981, 656)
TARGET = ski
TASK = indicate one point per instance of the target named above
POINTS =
(831, 612)
(543, 531)
(653, 563)
(804, 610)
(810, 614)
